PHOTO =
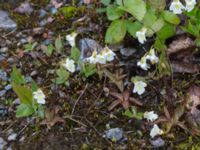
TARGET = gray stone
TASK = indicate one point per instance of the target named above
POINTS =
(3, 49)
(8, 87)
(87, 46)
(6, 22)
(2, 93)
(25, 8)
(114, 134)
(2, 143)
(42, 13)
(3, 75)
(127, 51)
(157, 142)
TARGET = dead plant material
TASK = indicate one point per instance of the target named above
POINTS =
(51, 117)
(123, 99)
(181, 67)
(182, 43)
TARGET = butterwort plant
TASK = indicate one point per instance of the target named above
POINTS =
(32, 99)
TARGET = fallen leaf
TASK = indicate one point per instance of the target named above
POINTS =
(181, 67)
(182, 43)
(51, 117)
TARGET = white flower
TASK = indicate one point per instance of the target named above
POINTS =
(141, 35)
(190, 4)
(39, 96)
(143, 63)
(71, 39)
(69, 65)
(139, 87)
(93, 58)
(155, 131)
(152, 57)
(150, 116)
(177, 7)
(109, 54)
(101, 58)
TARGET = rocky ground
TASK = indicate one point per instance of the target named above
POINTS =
(80, 115)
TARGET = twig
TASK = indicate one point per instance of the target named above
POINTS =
(70, 118)
(79, 99)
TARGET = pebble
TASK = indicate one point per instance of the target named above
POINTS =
(12, 137)
(6, 22)
(8, 87)
(86, 46)
(53, 10)
(3, 75)
(42, 13)
(3, 49)
(10, 60)
(2, 143)
(157, 142)
(2, 93)
(114, 134)
(24, 8)
(127, 51)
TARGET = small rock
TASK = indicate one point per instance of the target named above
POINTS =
(114, 134)
(1, 58)
(42, 22)
(24, 8)
(127, 51)
(6, 22)
(87, 46)
(157, 142)
(2, 93)
(3, 75)
(10, 60)
(12, 137)
(47, 42)
(33, 73)
(8, 87)
(3, 111)
(42, 13)
(53, 10)
(4, 50)
(2, 143)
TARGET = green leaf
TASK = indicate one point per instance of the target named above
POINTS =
(119, 2)
(113, 12)
(149, 18)
(49, 50)
(63, 75)
(157, 4)
(170, 17)
(17, 77)
(24, 110)
(155, 27)
(116, 32)
(133, 27)
(87, 69)
(68, 11)
(166, 31)
(30, 46)
(24, 93)
(34, 86)
(106, 2)
(75, 53)
(58, 44)
(137, 8)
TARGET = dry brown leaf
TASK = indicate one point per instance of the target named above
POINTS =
(193, 98)
(182, 43)
(51, 117)
(182, 67)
